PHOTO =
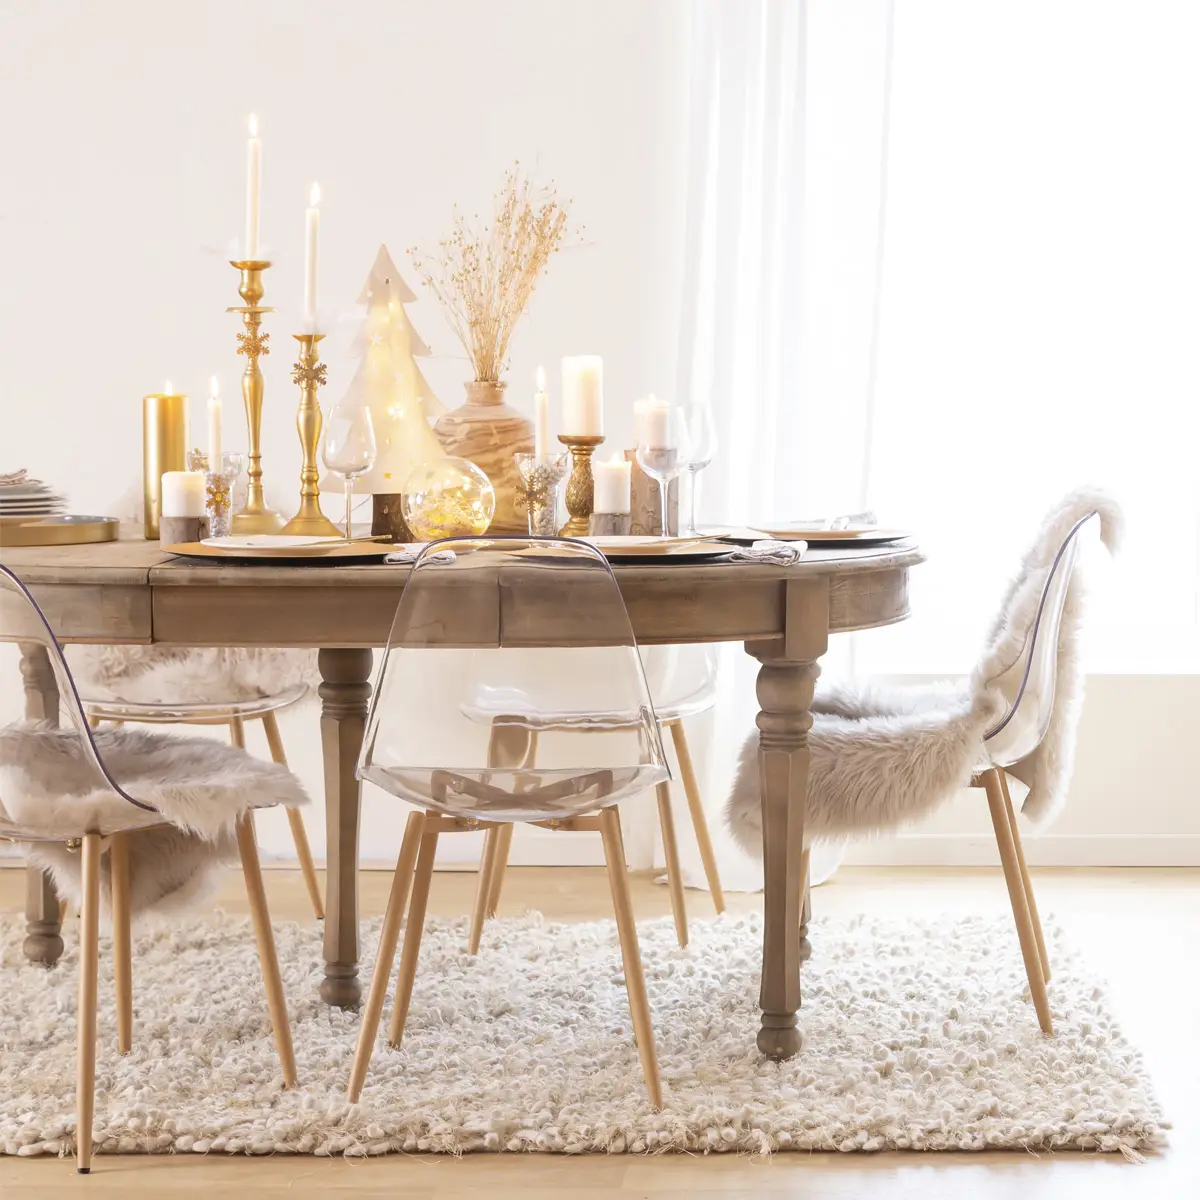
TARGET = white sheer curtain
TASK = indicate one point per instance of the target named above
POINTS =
(787, 145)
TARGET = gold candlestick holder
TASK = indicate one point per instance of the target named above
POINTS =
(579, 485)
(310, 521)
(256, 517)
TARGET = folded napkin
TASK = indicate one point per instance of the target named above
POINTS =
(408, 556)
(854, 520)
(782, 554)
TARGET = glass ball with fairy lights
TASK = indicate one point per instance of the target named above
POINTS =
(449, 497)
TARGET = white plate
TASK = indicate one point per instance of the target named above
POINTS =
(286, 545)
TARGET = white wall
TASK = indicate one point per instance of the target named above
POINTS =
(123, 187)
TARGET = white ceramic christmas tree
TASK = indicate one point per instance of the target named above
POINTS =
(390, 383)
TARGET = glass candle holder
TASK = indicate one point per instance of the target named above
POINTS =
(218, 494)
(540, 478)
(449, 497)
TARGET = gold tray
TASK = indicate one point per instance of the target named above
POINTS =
(59, 531)
(340, 550)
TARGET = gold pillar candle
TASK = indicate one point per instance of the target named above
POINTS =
(256, 517)
(164, 446)
(310, 521)
(580, 485)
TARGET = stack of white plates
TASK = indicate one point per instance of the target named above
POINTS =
(29, 501)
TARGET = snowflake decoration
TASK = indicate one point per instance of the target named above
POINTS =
(314, 374)
(253, 344)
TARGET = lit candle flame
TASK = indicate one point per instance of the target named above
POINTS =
(541, 379)
(214, 388)
(253, 125)
(314, 197)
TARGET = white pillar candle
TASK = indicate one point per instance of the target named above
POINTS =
(312, 227)
(611, 485)
(182, 494)
(214, 426)
(583, 396)
(652, 426)
(541, 417)
(253, 188)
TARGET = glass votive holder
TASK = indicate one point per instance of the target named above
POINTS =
(218, 494)
(540, 478)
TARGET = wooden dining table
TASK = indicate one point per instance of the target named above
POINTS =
(131, 591)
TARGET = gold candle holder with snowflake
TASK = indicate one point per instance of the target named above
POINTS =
(309, 374)
(255, 517)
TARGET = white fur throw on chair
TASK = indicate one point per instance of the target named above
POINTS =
(49, 788)
(884, 758)
(186, 675)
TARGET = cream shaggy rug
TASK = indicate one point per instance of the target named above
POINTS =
(919, 1036)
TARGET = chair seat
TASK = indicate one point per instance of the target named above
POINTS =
(50, 792)
(207, 712)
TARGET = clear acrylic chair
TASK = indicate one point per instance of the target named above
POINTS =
(683, 682)
(541, 625)
(97, 794)
(232, 710)
(1028, 686)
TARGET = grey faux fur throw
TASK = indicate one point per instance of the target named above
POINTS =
(49, 789)
(884, 758)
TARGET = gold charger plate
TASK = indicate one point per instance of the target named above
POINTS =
(654, 547)
(318, 552)
(68, 530)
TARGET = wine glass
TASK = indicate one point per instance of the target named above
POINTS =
(349, 447)
(662, 449)
(702, 446)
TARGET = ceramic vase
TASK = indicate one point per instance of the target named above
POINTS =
(488, 432)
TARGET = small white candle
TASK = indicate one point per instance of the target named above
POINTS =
(611, 485)
(214, 426)
(182, 494)
(583, 396)
(312, 227)
(253, 188)
(541, 417)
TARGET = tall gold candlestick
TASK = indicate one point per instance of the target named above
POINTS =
(310, 375)
(256, 517)
(580, 484)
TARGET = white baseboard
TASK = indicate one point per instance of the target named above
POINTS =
(1050, 850)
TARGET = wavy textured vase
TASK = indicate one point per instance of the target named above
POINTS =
(488, 432)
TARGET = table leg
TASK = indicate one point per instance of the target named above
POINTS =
(786, 678)
(344, 691)
(43, 926)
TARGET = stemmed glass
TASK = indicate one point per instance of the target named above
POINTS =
(349, 447)
(702, 446)
(662, 449)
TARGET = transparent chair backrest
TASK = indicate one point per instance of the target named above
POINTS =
(531, 634)
(1029, 683)
(682, 679)
(23, 628)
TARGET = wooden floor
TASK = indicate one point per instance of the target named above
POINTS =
(1141, 927)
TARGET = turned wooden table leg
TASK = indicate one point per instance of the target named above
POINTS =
(785, 691)
(43, 923)
(344, 691)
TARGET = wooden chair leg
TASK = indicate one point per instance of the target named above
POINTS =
(635, 979)
(237, 733)
(296, 821)
(503, 851)
(483, 890)
(89, 952)
(699, 821)
(269, 960)
(386, 955)
(666, 823)
(118, 865)
(422, 878)
(1016, 895)
(1026, 881)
